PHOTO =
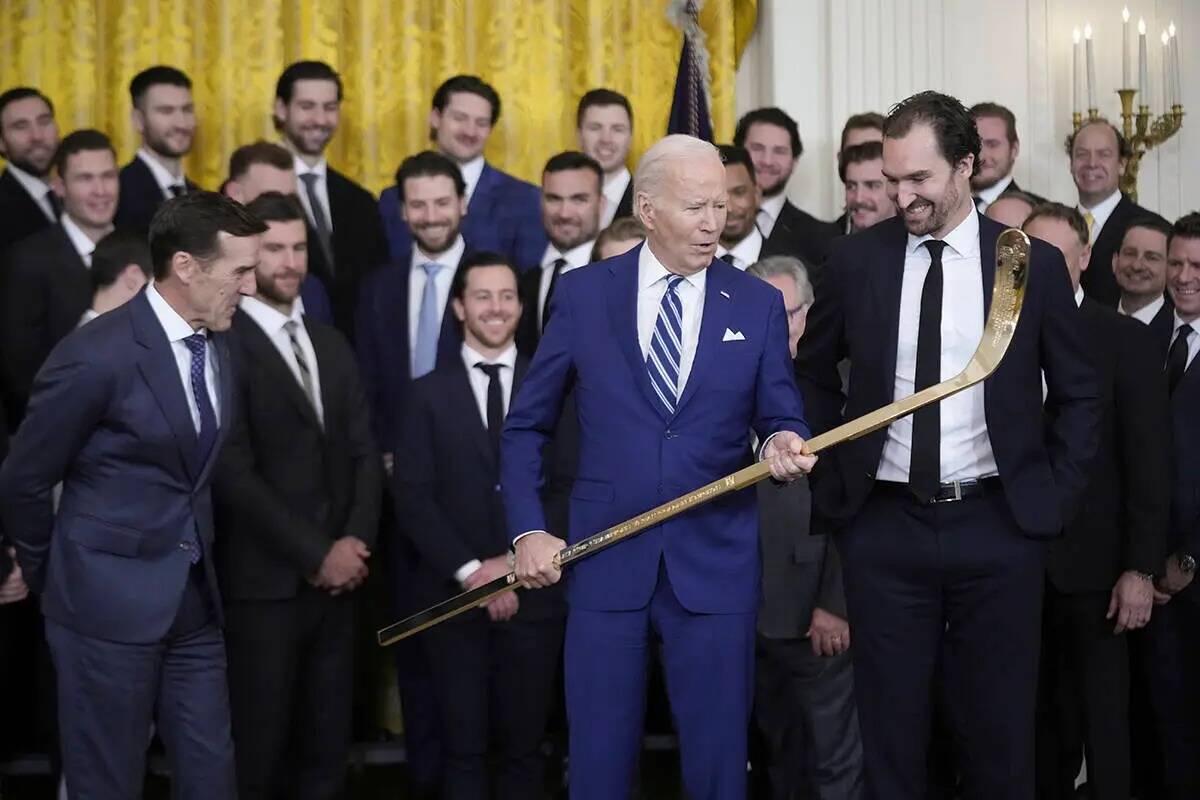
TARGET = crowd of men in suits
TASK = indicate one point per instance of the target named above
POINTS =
(349, 424)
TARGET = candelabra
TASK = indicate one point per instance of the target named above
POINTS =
(1143, 131)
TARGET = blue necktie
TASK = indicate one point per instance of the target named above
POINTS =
(206, 437)
(424, 352)
(666, 346)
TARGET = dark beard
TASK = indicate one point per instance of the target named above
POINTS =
(160, 148)
(31, 168)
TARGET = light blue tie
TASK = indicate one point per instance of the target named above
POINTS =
(424, 354)
(666, 346)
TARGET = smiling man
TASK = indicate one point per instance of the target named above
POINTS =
(740, 240)
(28, 139)
(604, 126)
(942, 515)
(998, 151)
(860, 167)
(1140, 267)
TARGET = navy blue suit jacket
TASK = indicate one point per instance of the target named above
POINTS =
(1044, 468)
(505, 214)
(108, 418)
(316, 300)
(382, 343)
(140, 196)
(634, 456)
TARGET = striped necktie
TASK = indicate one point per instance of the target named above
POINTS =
(666, 346)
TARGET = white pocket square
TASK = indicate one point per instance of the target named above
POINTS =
(733, 336)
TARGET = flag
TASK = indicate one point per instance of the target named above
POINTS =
(689, 107)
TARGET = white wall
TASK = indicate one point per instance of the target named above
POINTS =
(822, 60)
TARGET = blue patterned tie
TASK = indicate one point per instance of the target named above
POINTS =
(666, 346)
(206, 437)
(424, 352)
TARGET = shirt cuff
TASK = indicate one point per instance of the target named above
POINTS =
(521, 536)
(762, 449)
(467, 570)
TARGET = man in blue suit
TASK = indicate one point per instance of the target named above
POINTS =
(129, 413)
(503, 213)
(674, 359)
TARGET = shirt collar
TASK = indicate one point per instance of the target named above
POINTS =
(990, 194)
(79, 240)
(162, 177)
(1146, 313)
(471, 172)
(1104, 208)
(963, 240)
(471, 357)
(746, 251)
(450, 258)
(302, 167)
(1078, 296)
(175, 326)
(614, 187)
(1179, 321)
(270, 319)
(36, 187)
(773, 206)
(651, 271)
(577, 256)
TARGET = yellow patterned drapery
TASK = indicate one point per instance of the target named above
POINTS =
(540, 55)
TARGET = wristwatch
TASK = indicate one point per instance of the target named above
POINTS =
(1187, 564)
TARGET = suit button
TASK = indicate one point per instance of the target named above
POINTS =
(496, 488)
(183, 546)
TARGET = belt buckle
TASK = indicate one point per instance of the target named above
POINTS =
(958, 495)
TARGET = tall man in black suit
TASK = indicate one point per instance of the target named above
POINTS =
(998, 153)
(165, 117)
(1174, 641)
(298, 491)
(773, 140)
(348, 241)
(1099, 155)
(493, 668)
(129, 414)
(803, 681)
(1140, 268)
(604, 127)
(28, 139)
(1100, 574)
(46, 283)
(572, 204)
(944, 515)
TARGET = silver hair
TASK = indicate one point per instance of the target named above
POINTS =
(652, 168)
(789, 267)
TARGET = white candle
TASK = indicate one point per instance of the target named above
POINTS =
(1076, 72)
(1091, 66)
(1126, 56)
(1143, 66)
(1166, 61)
(1176, 90)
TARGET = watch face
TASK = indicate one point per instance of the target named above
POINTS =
(1187, 563)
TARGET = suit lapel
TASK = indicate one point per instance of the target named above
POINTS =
(718, 294)
(161, 373)
(465, 408)
(622, 317)
(888, 283)
(989, 234)
(264, 354)
(325, 368)
(225, 378)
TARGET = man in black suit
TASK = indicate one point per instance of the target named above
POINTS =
(860, 166)
(165, 118)
(943, 516)
(572, 204)
(28, 139)
(858, 129)
(1099, 155)
(298, 491)
(493, 668)
(773, 141)
(46, 283)
(1174, 646)
(803, 682)
(1100, 575)
(604, 127)
(998, 153)
(1140, 268)
(348, 241)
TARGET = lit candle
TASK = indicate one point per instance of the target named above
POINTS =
(1166, 61)
(1126, 56)
(1143, 67)
(1091, 66)
(1076, 72)
(1176, 91)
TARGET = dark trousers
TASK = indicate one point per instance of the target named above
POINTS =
(1174, 664)
(804, 708)
(25, 663)
(494, 681)
(956, 582)
(708, 662)
(1083, 699)
(291, 686)
(110, 692)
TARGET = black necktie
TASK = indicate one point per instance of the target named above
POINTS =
(320, 220)
(176, 189)
(1177, 357)
(728, 259)
(495, 404)
(555, 271)
(924, 471)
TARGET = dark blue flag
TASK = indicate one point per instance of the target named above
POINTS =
(689, 107)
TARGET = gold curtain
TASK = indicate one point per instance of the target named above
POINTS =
(540, 54)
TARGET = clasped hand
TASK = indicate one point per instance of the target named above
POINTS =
(344, 568)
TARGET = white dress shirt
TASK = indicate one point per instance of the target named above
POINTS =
(652, 285)
(1100, 214)
(614, 190)
(416, 284)
(1193, 337)
(178, 329)
(746, 251)
(82, 243)
(38, 189)
(471, 172)
(321, 170)
(1146, 313)
(576, 257)
(479, 387)
(768, 213)
(988, 196)
(966, 450)
(162, 176)
(272, 322)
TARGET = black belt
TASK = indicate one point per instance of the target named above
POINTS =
(951, 491)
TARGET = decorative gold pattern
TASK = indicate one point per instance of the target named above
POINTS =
(541, 55)
(1008, 296)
